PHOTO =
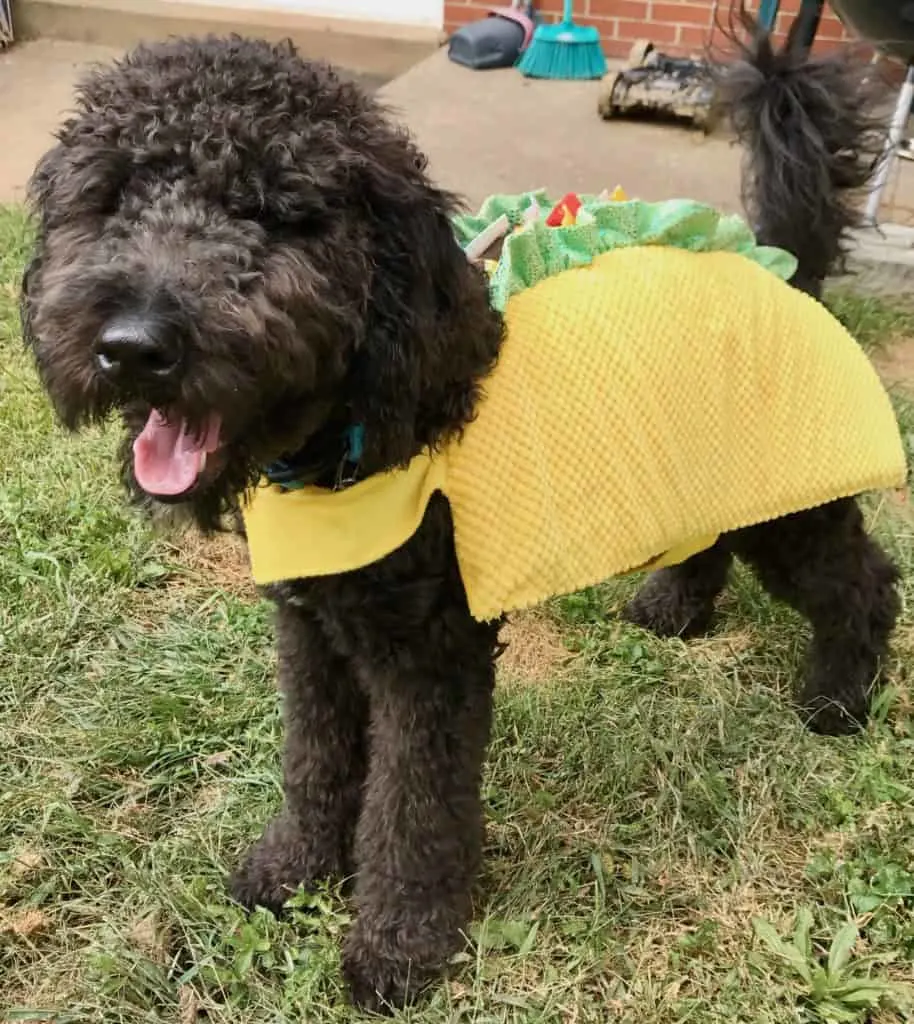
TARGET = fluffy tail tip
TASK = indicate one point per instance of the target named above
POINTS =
(812, 142)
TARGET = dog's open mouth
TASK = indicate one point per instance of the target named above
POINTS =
(169, 455)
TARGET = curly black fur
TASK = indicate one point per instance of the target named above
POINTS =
(283, 235)
(811, 141)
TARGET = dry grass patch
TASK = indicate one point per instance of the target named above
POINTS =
(220, 561)
(894, 362)
(536, 650)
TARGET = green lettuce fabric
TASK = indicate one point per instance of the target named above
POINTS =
(539, 251)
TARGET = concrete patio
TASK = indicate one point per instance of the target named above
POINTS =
(483, 131)
(498, 131)
(37, 79)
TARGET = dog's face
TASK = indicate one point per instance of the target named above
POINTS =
(240, 254)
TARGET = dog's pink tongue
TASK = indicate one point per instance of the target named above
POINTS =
(167, 458)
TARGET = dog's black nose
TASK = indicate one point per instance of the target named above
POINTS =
(134, 349)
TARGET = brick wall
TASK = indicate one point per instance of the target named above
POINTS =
(674, 26)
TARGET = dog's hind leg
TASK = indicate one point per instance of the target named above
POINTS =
(325, 717)
(824, 565)
(679, 600)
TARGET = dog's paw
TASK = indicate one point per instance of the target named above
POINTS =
(827, 717)
(380, 983)
(275, 866)
(666, 610)
(837, 690)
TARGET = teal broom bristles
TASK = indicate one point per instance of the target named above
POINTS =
(564, 50)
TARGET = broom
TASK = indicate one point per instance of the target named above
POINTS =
(564, 50)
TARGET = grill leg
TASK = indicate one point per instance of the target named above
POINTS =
(896, 135)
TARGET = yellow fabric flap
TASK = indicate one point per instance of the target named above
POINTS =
(317, 532)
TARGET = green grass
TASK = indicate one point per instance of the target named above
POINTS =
(874, 322)
(665, 841)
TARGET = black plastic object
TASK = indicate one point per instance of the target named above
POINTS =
(493, 42)
(887, 24)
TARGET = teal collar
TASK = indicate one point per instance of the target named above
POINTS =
(286, 471)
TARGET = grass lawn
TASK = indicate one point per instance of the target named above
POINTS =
(665, 841)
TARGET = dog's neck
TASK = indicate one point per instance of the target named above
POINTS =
(363, 437)
(332, 459)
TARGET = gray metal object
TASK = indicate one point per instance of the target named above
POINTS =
(889, 26)
(6, 23)
(897, 134)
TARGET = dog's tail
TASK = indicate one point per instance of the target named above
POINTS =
(811, 144)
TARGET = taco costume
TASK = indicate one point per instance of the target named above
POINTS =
(659, 385)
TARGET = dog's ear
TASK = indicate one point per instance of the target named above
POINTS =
(76, 176)
(72, 178)
(25, 305)
(38, 185)
(431, 334)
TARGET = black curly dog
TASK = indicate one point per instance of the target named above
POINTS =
(225, 230)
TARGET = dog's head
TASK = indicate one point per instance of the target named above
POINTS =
(241, 254)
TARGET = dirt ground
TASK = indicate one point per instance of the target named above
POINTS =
(895, 364)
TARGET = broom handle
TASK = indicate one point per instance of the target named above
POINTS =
(566, 14)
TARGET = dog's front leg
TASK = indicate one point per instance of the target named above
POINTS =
(419, 838)
(325, 716)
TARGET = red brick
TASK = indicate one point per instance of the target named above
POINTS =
(657, 32)
(456, 15)
(833, 26)
(829, 25)
(695, 39)
(616, 48)
(634, 9)
(605, 26)
(827, 35)
(681, 14)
